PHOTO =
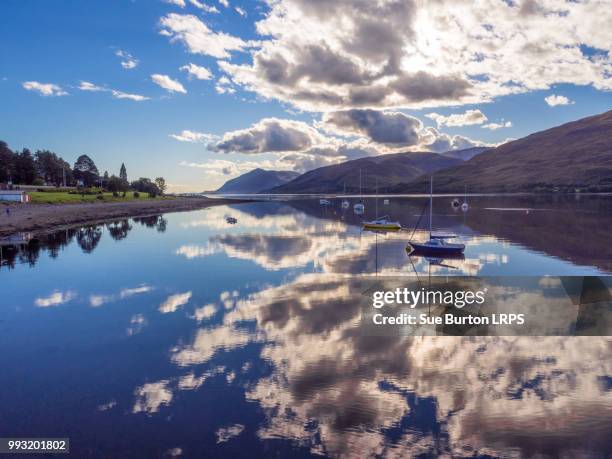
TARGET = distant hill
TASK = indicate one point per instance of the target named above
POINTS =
(466, 154)
(574, 155)
(257, 180)
(390, 170)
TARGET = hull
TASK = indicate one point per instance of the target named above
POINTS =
(437, 250)
(388, 227)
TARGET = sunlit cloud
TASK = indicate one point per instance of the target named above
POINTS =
(44, 89)
(56, 298)
(174, 302)
(553, 100)
(128, 61)
(167, 83)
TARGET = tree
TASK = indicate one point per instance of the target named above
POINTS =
(85, 170)
(161, 184)
(115, 184)
(145, 185)
(6, 162)
(50, 167)
(123, 173)
(24, 168)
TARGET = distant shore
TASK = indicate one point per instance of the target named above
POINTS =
(49, 217)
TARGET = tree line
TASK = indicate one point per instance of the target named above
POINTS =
(45, 167)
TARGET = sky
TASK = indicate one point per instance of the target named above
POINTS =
(202, 91)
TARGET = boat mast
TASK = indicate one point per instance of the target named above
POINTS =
(377, 197)
(360, 193)
(430, 202)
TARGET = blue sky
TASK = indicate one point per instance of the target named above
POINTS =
(66, 43)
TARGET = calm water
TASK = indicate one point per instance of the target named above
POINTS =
(183, 335)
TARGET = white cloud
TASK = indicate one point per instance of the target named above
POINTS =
(205, 312)
(173, 302)
(470, 117)
(240, 11)
(225, 434)
(91, 87)
(553, 100)
(224, 86)
(179, 3)
(495, 126)
(322, 56)
(128, 62)
(204, 6)
(167, 83)
(198, 38)
(193, 137)
(44, 89)
(196, 71)
(225, 3)
(269, 135)
(56, 298)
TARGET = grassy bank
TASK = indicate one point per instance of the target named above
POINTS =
(62, 197)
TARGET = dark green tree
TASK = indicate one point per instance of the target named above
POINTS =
(86, 171)
(24, 168)
(6, 162)
(115, 184)
(123, 173)
(50, 167)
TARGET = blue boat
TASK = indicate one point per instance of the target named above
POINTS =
(437, 244)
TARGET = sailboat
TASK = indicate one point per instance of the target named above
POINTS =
(359, 206)
(382, 223)
(436, 245)
(345, 202)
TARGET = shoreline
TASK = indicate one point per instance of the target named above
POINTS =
(42, 218)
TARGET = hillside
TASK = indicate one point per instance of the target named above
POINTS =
(466, 154)
(257, 180)
(576, 155)
(389, 170)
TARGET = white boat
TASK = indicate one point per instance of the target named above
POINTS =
(345, 202)
(231, 220)
(436, 245)
(381, 223)
(386, 202)
(324, 202)
(359, 206)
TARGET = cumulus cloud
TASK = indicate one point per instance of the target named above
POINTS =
(470, 117)
(91, 87)
(179, 3)
(173, 302)
(44, 89)
(240, 11)
(224, 86)
(553, 100)
(393, 128)
(324, 56)
(269, 135)
(170, 85)
(198, 38)
(225, 168)
(197, 71)
(225, 3)
(439, 142)
(128, 62)
(193, 137)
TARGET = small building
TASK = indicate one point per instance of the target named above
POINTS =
(14, 196)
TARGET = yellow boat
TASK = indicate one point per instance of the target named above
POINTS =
(382, 223)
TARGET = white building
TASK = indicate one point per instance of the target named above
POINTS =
(14, 196)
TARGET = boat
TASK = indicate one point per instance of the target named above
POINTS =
(345, 202)
(231, 220)
(381, 223)
(324, 202)
(464, 206)
(437, 243)
(359, 206)
(455, 203)
(386, 202)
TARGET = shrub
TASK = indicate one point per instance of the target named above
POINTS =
(100, 197)
(123, 194)
(115, 194)
(136, 194)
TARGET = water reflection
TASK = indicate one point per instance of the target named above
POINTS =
(203, 338)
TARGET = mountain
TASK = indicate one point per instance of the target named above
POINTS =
(257, 180)
(466, 154)
(574, 155)
(389, 170)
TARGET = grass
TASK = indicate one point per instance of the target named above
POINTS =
(62, 197)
